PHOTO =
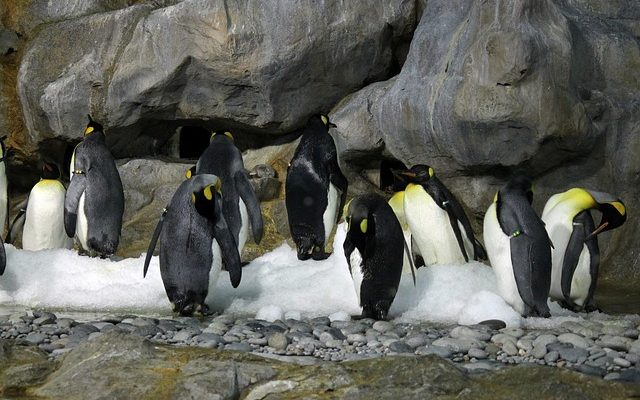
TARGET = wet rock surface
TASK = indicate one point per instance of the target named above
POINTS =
(230, 355)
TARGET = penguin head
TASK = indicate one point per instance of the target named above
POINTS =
(323, 120)
(614, 212)
(519, 184)
(50, 171)
(92, 126)
(419, 174)
(356, 216)
(205, 188)
(191, 172)
(216, 135)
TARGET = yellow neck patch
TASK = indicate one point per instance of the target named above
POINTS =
(620, 207)
(324, 119)
(579, 198)
(88, 130)
(207, 193)
(431, 172)
(229, 135)
(363, 225)
(188, 174)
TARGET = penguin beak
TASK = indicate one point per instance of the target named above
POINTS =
(599, 229)
(332, 125)
(400, 174)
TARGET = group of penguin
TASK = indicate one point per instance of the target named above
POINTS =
(206, 224)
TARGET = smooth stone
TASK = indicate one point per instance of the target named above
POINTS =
(572, 355)
(382, 326)
(356, 338)
(257, 341)
(184, 335)
(416, 341)
(479, 367)
(94, 335)
(631, 375)
(494, 324)
(635, 347)
(434, 349)
(574, 339)
(35, 338)
(353, 328)
(580, 329)
(126, 327)
(544, 340)
(339, 316)
(632, 358)
(84, 329)
(510, 348)
(244, 347)
(462, 345)
(100, 324)
(515, 332)
(320, 321)
(477, 353)
(538, 351)
(333, 343)
(400, 347)
(23, 328)
(492, 349)
(619, 343)
(590, 370)
(464, 332)
(66, 323)
(228, 338)
(552, 356)
(47, 318)
(502, 338)
(146, 330)
(525, 344)
(621, 362)
(278, 341)
(336, 333)
(612, 376)
(59, 352)
(17, 317)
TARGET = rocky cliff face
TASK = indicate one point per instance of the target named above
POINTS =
(475, 89)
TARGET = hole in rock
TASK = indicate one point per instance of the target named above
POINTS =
(387, 180)
(192, 141)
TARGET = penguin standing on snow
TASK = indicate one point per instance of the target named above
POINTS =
(576, 256)
(194, 244)
(374, 248)
(315, 189)
(519, 248)
(439, 226)
(43, 214)
(240, 203)
(94, 203)
(4, 203)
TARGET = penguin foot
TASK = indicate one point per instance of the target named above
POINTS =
(303, 256)
(319, 256)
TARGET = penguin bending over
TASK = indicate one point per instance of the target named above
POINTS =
(94, 203)
(439, 226)
(42, 214)
(315, 189)
(576, 256)
(195, 243)
(374, 248)
(519, 248)
(240, 203)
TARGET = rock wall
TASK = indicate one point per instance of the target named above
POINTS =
(475, 89)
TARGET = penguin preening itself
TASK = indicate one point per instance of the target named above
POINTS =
(42, 214)
(193, 244)
(94, 203)
(315, 189)
(576, 256)
(439, 226)
(519, 248)
(240, 203)
(374, 248)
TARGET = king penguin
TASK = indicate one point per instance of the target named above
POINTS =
(94, 202)
(576, 255)
(240, 203)
(194, 243)
(519, 248)
(4, 204)
(374, 248)
(439, 226)
(43, 214)
(315, 189)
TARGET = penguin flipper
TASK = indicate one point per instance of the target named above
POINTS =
(456, 230)
(583, 225)
(18, 222)
(71, 201)
(153, 242)
(528, 257)
(413, 268)
(228, 246)
(3, 257)
(245, 190)
(340, 182)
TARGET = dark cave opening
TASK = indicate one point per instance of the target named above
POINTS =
(387, 180)
(192, 141)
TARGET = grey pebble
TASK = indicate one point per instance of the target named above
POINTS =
(552, 356)
(539, 351)
(244, 347)
(515, 332)
(278, 341)
(418, 340)
(544, 340)
(35, 338)
(433, 349)
(621, 362)
(400, 347)
(382, 326)
(509, 348)
(574, 339)
(494, 324)
(618, 343)
(464, 332)
(478, 353)
(461, 345)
